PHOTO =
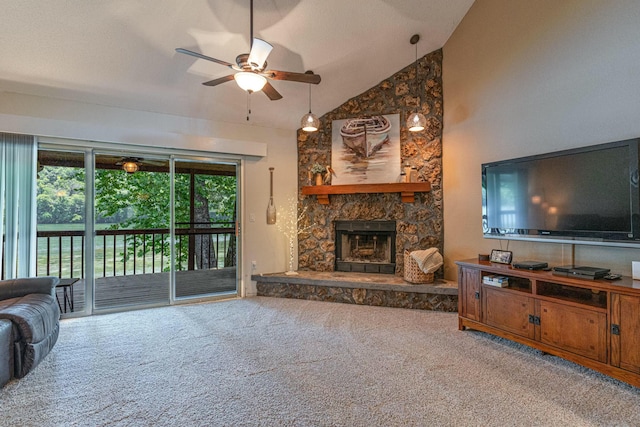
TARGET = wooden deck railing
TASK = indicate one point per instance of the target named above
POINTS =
(129, 252)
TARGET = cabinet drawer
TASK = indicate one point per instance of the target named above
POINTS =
(508, 310)
(580, 331)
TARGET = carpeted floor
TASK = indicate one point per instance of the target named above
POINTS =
(280, 362)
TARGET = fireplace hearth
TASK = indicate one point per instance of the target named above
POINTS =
(365, 246)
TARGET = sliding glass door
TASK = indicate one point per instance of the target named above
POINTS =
(132, 243)
(131, 230)
(61, 225)
(205, 228)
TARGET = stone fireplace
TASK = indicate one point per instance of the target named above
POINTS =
(418, 224)
(365, 246)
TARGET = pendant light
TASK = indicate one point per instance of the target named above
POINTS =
(309, 122)
(416, 121)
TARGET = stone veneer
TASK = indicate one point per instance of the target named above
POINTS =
(419, 224)
(359, 288)
(360, 296)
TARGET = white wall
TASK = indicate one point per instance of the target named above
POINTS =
(259, 148)
(264, 243)
(527, 77)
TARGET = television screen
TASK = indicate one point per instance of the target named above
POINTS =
(590, 192)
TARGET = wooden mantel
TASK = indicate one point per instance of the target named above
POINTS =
(407, 190)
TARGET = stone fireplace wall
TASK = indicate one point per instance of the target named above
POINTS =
(419, 224)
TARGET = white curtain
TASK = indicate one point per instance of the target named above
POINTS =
(18, 164)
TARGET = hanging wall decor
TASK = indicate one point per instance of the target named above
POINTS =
(366, 150)
(271, 207)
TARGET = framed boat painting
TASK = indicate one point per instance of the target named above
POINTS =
(366, 150)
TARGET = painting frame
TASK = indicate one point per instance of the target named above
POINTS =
(366, 150)
(501, 257)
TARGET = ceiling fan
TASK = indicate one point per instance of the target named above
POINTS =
(251, 69)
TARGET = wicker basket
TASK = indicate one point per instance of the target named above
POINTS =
(413, 273)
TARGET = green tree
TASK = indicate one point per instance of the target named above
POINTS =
(143, 200)
(214, 206)
(60, 196)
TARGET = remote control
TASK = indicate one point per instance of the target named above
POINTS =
(613, 276)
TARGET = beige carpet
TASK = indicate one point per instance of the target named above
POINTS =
(279, 362)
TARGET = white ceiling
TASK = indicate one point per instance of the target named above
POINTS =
(121, 53)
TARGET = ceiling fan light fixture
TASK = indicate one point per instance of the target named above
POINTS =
(130, 166)
(249, 81)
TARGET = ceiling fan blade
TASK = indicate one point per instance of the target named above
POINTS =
(260, 50)
(271, 92)
(155, 162)
(128, 159)
(293, 77)
(218, 81)
(201, 56)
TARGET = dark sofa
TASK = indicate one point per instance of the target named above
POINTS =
(29, 324)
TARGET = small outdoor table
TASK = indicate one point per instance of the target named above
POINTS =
(67, 294)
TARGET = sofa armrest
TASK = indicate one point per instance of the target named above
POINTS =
(6, 351)
(33, 285)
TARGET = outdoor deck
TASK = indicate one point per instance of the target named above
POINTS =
(148, 289)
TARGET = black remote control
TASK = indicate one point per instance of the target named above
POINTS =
(613, 276)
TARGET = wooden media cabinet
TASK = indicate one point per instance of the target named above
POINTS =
(595, 323)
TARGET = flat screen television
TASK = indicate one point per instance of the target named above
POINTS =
(584, 195)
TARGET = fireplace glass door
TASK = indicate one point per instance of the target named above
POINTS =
(366, 246)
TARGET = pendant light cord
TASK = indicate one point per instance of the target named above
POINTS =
(309, 98)
(415, 83)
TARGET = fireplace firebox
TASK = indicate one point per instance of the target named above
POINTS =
(366, 246)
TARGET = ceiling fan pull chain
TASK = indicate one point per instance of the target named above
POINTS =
(248, 105)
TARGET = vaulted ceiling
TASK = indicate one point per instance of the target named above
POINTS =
(121, 53)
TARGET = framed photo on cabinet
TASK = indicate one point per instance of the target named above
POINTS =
(502, 257)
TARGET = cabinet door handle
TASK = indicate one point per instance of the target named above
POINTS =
(534, 319)
(615, 329)
(477, 295)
